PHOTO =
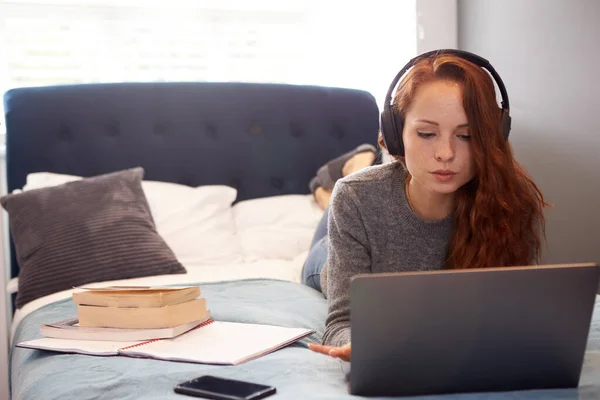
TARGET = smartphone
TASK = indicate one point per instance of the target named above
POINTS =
(214, 387)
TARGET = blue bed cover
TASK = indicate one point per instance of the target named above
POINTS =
(295, 371)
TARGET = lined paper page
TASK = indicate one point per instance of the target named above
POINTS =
(220, 343)
(91, 347)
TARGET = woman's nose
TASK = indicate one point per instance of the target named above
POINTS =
(445, 151)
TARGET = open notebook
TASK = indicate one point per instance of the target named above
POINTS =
(212, 342)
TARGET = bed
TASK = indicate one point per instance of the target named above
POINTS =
(226, 171)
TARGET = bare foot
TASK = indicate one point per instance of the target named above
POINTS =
(358, 162)
(322, 197)
(353, 164)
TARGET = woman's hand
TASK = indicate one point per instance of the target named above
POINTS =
(342, 353)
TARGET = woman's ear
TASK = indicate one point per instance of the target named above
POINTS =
(381, 142)
(385, 157)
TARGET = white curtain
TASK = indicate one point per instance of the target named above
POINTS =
(323, 42)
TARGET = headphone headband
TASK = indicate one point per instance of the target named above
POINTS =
(391, 124)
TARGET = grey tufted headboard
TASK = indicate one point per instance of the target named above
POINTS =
(263, 139)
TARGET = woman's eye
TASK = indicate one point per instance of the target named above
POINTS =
(465, 137)
(425, 135)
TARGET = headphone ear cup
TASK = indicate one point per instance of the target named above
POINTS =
(505, 122)
(388, 131)
(398, 128)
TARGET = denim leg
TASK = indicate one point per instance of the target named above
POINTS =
(321, 230)
(311, 271)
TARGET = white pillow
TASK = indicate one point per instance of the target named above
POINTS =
(196, 222)
(278, 227)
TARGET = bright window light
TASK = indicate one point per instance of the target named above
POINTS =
(318, 42)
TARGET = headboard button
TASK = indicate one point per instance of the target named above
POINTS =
(235, 183)
(337, 132)
(277, 183)
(113, 129)
(211, 130)
(256, 129)
(64, 134)
(160, 128)
(186, 182)
(296, 129)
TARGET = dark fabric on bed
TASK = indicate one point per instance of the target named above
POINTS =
(263, 139)
(295, 371)
(91, 230)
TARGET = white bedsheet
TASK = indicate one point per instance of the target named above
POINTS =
(273, 269)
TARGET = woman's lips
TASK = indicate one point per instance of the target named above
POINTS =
(443, 175)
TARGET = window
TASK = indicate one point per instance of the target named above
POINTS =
(321, 42)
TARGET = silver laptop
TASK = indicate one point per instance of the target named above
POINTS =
(472, 330)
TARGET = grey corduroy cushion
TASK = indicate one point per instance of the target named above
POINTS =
(90, 230)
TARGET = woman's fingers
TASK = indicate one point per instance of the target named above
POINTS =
(319, 348)
(341, 352)
(338, 352)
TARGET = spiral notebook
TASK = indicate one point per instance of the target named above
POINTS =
(211, 342)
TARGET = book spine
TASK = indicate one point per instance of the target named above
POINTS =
(207, 322)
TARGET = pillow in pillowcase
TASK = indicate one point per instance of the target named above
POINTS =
(90, 230)
(196, 222)
(276, 227)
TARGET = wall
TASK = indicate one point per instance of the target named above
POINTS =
(436, 28)
(5, 305)
(548, 54)
(5, 320)
(436, 25)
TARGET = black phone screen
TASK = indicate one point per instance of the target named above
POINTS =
(213, 387)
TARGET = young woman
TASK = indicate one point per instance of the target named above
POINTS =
(454, 198)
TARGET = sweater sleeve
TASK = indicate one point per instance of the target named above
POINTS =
(349, 254)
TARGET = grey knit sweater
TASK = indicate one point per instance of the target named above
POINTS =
(372, 229)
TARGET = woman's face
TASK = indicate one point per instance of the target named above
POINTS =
(436, 138)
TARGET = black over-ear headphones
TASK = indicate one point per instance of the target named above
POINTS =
(391, 122)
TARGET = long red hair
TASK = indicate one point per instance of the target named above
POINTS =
(498, 217)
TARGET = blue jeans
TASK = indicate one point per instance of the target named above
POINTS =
(311, 271)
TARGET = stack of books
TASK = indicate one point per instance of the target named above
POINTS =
(160, 323)
(120, 313)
